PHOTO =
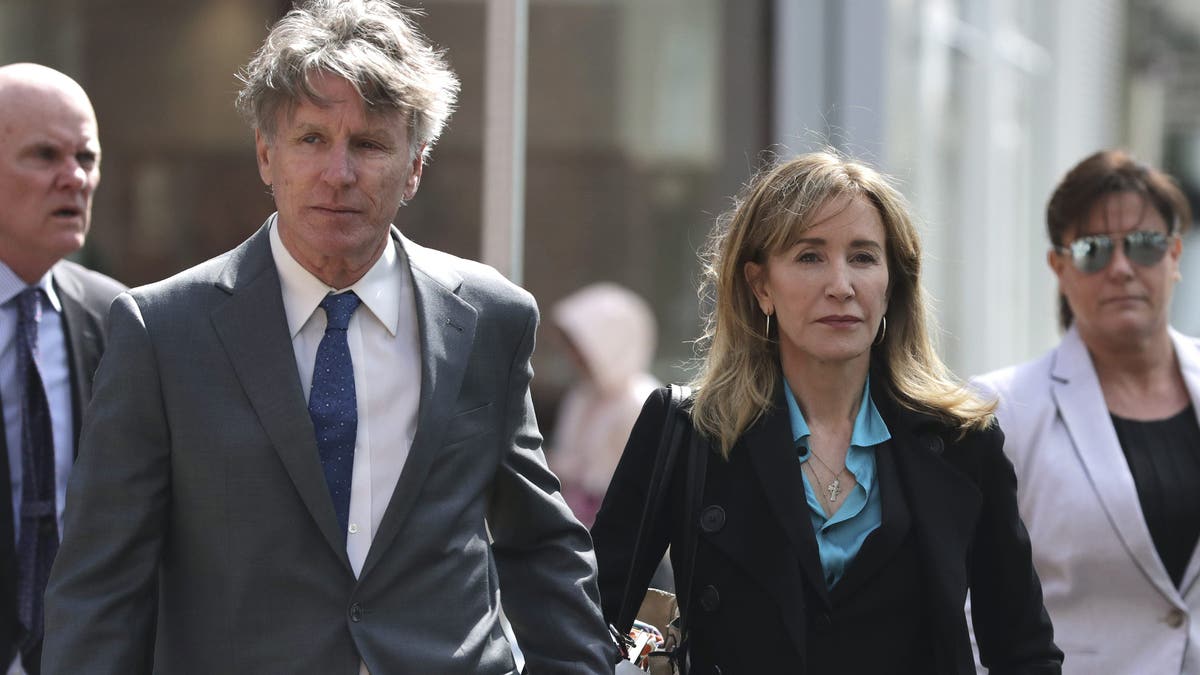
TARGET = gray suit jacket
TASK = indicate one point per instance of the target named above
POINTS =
(85, 296)
(199, 497)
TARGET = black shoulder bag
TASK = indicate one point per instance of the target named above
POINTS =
(659, 608)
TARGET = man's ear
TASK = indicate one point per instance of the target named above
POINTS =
(414, 176)
(262, 152)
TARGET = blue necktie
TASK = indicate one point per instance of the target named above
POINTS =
(332, 403)
(38, 540)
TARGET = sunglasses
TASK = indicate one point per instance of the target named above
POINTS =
(1092, 253)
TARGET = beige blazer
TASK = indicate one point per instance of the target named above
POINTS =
(1114, 608)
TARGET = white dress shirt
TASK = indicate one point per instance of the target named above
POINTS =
(56, 379)
(385, 350)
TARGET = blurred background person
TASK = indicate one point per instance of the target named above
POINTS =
(609, 333)
(859, 489)
(1103, 431)
(51, 330)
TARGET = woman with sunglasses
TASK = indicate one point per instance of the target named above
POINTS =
(854, 490)
(1103, 429)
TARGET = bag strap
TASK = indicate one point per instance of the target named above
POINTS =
(694, 498)
(660, 479)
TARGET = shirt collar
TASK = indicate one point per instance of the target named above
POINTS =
(869, 428)
(378, 289)
(11, 285)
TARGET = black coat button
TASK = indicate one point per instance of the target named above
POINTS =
(934, 443)
(717, 670)
(712, 519)
(710, 599)
(822, 622)
(356, 612)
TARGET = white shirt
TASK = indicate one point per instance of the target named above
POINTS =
(386, 352)
(56, 379)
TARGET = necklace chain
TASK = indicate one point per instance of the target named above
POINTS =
(834, 487)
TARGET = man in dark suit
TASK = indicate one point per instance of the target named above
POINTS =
(51, 330)
(317, 453)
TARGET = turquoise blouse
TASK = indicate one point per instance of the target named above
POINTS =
(840, 536)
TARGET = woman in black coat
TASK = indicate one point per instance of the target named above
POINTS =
(854, 491)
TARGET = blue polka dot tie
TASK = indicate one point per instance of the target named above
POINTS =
(38, 541)
(332, 403)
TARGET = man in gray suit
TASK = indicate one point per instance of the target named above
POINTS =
(297, 450)
(51, 330)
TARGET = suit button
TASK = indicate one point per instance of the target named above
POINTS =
(356, 612)
(717, 670)
(1175, 618)
(822, 622)
(712, 519)
(710, 599)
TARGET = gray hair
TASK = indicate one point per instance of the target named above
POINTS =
(372, 44)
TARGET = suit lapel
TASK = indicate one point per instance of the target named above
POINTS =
(880, 545)
(772, 453)
(1188, 357)
(944, 506)
(446, 326)
(82, 331)
(252, 326)
(1076, 391)
(943, 502)
(940, 499)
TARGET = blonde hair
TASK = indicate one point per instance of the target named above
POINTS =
(739, 364)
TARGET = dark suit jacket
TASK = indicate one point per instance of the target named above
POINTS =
(85, 296)
(759, 586)
(199, 493)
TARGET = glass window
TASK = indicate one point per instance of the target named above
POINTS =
(643, 119)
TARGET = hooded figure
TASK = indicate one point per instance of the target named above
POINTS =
(610, 333)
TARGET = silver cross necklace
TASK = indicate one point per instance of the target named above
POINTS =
(834, 488)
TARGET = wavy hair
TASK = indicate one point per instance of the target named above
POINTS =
(372, 44)
(739, 364)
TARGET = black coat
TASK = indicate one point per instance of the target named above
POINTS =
(759, 598)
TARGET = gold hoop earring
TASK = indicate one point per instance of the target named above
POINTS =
(882, 331)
